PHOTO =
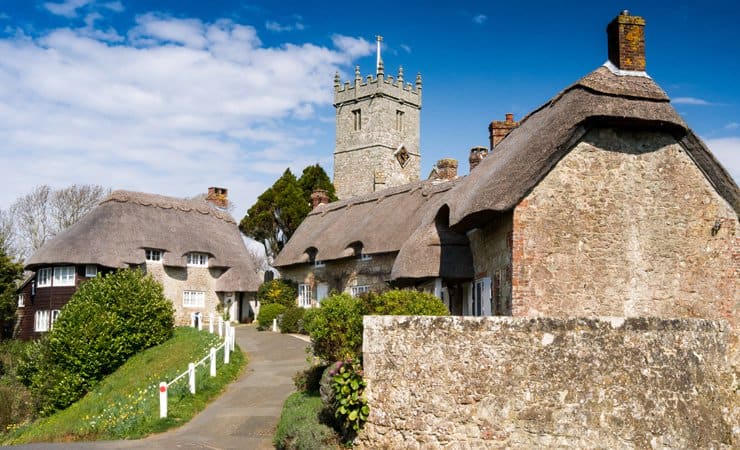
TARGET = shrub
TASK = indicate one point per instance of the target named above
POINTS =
(308, 380)
(292, 320)
(405, 303)
(336, 330)
(281, 291)
(108, 320)
(300, 428)
(350, 404)
(308, 317)
(268, 313)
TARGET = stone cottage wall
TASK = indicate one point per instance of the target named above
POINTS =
(491, 250)
(503, 382)
(626, 225)
(175, 280)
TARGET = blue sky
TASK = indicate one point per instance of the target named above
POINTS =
(174, 96)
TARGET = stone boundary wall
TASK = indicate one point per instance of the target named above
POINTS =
(503, 382)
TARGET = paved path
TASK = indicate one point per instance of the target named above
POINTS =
(245, 415)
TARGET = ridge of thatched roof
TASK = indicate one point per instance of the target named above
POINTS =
(117, 232)
(379, 222)
(529, 152)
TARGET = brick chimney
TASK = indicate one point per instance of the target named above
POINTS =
(476, 156)
(445, 169)
(319, 197)
(626, 38)
(218, 197)
(498, 129)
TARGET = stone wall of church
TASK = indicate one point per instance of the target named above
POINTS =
(510, 382)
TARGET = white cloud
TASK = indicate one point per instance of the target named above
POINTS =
(279, 28)
(68, 8)
(172, 106)
(406, 48)
(690, 101)
(480, 19)
(727, 151)
(732, 126)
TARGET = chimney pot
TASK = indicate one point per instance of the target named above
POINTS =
(476, 156)
(218, 197)
(319, 197)
(626, 40)
(446, 169)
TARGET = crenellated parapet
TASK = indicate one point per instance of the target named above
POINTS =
(379, 85)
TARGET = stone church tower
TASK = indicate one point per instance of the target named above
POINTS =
(377, 132)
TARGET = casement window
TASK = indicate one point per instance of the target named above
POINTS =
(365, 257)
(322, 291)
(91, 271)
(197, 259)
(41, 321)
(53, 319)
(43, 277)
(64, 276)
(193, 299)
(305, 295)
(356, 291)
(153, 255)
(479, 302)
(21, 301)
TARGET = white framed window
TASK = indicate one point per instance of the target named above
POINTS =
(41, 321)
(322, 291)
(43, 277)
(305, 295)
(319, 263)
(91, 271)
(479, 302)
(21, 301)
(64, 276)
(193, 299)
(359, 290)
(153, 255)
(365, 257)
(197, 259)
(53, 319)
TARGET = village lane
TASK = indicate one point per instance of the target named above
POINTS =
(244, 416)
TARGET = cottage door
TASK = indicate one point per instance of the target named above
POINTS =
(322, 291)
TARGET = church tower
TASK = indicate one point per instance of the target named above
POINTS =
(377, 132)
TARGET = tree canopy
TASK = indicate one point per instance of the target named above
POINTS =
(279, 210)
(10, 273)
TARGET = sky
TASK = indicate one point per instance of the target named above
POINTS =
(174, 96)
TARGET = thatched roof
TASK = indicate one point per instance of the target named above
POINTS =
(380, 222)
(117, 231)
(529, 152)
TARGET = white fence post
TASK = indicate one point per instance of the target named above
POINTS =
(210, 323)
(163, 400)
(274, 325)
(220, 327)
(233, 338)
(226, 352)
(213, 362)
(191, 374)
(200, 322)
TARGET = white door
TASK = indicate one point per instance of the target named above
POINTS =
(230, 306)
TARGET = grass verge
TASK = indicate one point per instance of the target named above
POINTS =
(300, 427)
(125, 405)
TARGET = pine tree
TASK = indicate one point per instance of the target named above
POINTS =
(313, 178)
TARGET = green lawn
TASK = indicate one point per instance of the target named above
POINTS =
(125, 405)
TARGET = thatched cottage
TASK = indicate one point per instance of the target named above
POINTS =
(192, 246)
(600, 202)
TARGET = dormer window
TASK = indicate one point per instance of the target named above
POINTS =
(365, 257)
(319, 263)
(91, 271)
(153, 255)
(197, 259)
(43, 277)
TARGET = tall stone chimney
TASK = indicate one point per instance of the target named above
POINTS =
(218, 197)
(319, 197)
(476, 156)
(626, 38)
(498, 129)
(445, 169)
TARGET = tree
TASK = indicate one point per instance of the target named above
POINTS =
(277, 213)
(10, 273)
(282, 207)
(7, 233)
(313, 178)
(42, 213)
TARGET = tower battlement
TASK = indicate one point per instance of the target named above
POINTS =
(375, 86)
